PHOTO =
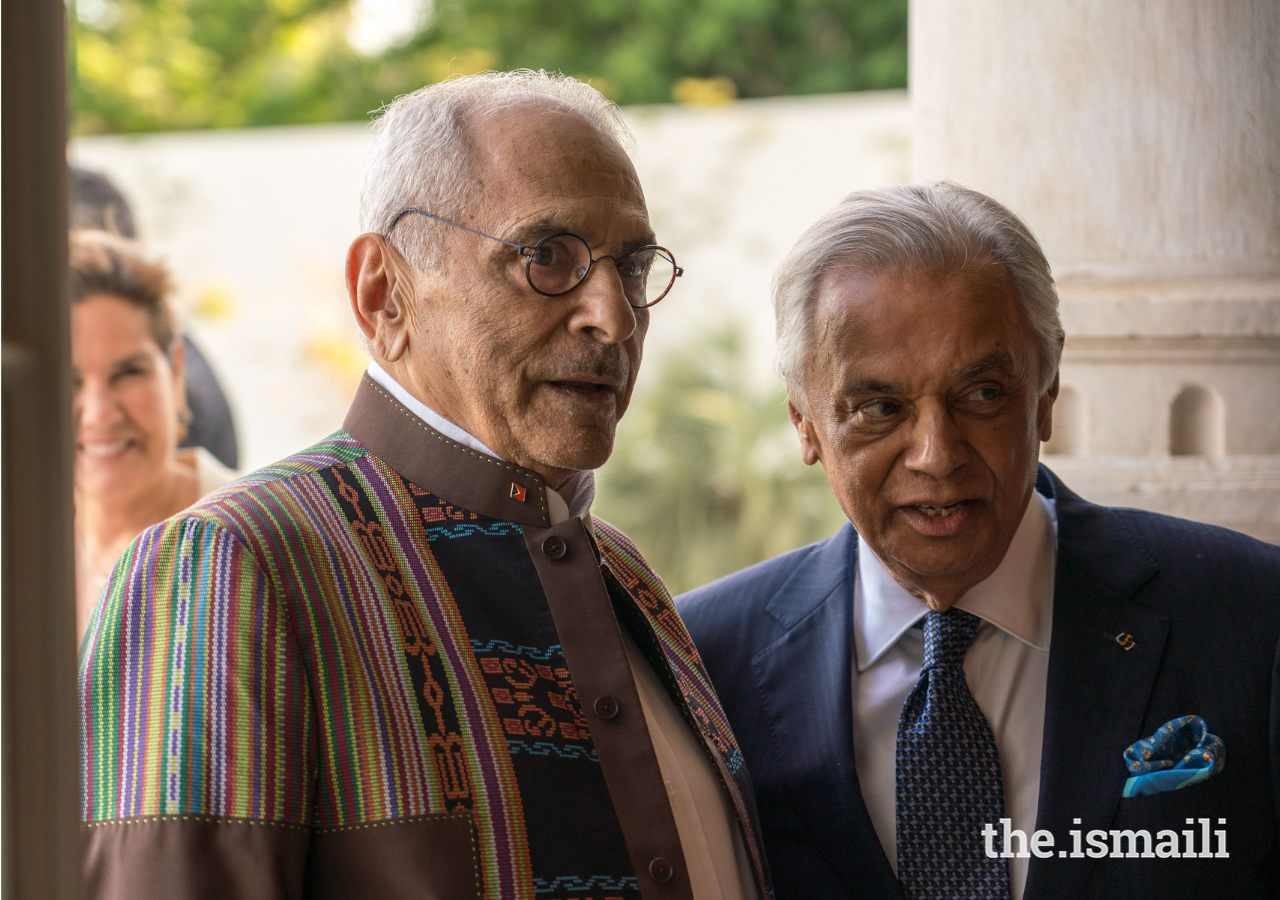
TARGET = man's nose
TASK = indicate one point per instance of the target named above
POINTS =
(601, 311)
(938, 447)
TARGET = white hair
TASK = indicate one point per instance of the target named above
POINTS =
(421, 155)
(934, 228)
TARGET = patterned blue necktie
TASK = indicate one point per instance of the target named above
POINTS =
(948, 778)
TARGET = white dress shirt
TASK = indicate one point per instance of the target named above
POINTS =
(1007, 668)
(714, 851)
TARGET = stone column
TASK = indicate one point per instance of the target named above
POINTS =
(1141, 142)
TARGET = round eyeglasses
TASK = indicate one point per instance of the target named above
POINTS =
(559, 263)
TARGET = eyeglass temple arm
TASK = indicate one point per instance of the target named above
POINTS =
(524, 251)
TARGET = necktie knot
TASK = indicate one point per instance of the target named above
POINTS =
(947, 638)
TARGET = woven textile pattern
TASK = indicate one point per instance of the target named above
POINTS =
(650, 594)
(290, 651)
(949, 783)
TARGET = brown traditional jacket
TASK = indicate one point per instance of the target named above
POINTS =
(376, 669)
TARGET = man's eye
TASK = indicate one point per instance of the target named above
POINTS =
(560, 253)
(984, 394)
(879, 409)
(637, 266)
(544, 255)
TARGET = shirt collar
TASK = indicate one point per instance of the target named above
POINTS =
(573, 498)
(426, 413)
(1017, 597)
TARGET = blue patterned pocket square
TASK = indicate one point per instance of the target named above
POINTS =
(1181, 752)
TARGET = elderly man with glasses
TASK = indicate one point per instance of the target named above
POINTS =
(408, 662)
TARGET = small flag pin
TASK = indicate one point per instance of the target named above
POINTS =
(517, 492)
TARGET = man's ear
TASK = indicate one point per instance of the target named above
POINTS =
(810, 452)
(380, 286)
(1044, 412)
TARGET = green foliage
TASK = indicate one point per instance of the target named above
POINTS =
(706, 475)
(148, 65)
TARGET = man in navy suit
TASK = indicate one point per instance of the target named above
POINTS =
(919, 337)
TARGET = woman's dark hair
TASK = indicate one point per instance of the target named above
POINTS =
(103, 263)
(97, 203)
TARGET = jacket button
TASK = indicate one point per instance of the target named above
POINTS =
(554, 547)
(606, 707)
(661, 870)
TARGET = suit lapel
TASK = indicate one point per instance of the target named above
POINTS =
(1097, 691)
(805, 678)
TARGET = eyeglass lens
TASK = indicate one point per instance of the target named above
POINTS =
(561, 262)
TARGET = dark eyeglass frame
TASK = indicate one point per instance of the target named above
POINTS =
(529, 252)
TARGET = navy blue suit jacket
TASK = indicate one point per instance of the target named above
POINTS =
(1203, 607)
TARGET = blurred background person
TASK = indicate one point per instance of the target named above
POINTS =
(128, 366)
(96, 203)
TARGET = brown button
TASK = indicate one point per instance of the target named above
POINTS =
(606, 707)
(554, 547)
(661, 870)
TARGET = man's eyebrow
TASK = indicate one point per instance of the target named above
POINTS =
(532, 232)
(871, 386)
(997, 360)
(645, 240)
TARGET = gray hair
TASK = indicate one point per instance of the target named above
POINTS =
(935, 228)
(421, 153)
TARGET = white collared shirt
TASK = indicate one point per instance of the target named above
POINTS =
(1007, 669)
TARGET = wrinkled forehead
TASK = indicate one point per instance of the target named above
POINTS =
(905, 293)
(863, 313)
(552, 154)
(973, 264)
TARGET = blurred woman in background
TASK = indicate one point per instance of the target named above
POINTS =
(127, 365)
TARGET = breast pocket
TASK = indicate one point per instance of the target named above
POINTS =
(1212, 799)
(430, 857)
(1155, 823)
